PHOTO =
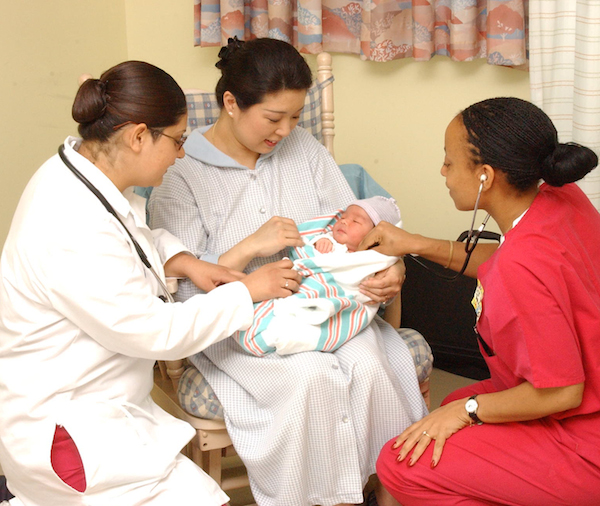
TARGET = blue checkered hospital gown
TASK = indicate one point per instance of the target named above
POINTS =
(308, 426)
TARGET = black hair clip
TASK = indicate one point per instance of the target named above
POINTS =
(233, 44)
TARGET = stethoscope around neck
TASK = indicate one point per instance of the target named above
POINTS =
(167, 297)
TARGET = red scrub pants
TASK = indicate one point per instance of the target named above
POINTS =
(516, 464)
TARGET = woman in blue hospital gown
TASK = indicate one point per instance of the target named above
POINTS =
(308, 426)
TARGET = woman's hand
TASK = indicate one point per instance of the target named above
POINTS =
(517, 404)
(435, 428)
(276, 234)
(385, 285)
(274, 280)
(204, 275)
(389, 240)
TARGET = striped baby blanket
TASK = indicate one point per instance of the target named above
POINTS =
(328, 309)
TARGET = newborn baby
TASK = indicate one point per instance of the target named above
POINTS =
(328, 308)
(356, 221)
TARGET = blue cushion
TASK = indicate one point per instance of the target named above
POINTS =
(361, 183)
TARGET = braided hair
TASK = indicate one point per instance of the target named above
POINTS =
(519, 139)
(250, 70)
(132, 91)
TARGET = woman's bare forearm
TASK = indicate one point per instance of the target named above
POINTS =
(239, 256)
(525, 402)
(391, 240)
(451, 254)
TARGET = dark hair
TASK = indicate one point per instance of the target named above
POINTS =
(132, 91)
(518, 138)
(250, 70)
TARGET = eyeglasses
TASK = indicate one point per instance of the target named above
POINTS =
(178, 142)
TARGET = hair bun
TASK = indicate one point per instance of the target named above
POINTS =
(568, 163)
(90, 102)
(233, 44)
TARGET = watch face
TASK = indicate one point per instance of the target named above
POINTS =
(471, 406)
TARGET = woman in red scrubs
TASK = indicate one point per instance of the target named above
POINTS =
(530, 435)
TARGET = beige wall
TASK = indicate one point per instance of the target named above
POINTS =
(390, 117)
(45, 46)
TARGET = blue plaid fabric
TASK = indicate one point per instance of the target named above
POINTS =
(203, 109)
(198, 398)
(420, 352)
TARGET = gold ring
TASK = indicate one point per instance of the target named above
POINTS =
(425, 434)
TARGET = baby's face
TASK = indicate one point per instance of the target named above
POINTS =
(352, 227)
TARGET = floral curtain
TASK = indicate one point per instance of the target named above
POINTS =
(378, 30)
(565, 73)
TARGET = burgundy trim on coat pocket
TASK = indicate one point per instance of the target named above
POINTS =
(66, 461)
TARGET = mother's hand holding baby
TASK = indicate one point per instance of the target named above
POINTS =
(275, 235)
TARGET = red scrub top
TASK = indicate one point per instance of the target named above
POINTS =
(540, 311)
(538, 307)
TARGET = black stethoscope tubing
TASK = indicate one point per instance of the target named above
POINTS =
(111, 210)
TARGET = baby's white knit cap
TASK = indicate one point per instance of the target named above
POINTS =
(380, 209)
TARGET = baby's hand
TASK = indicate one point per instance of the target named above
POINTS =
(323, 246)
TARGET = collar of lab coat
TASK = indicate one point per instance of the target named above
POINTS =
(123, 203)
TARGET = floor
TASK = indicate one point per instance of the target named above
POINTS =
(442, 383)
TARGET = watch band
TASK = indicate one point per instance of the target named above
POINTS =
(473, 414)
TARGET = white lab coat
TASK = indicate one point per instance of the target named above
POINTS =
(80, 328)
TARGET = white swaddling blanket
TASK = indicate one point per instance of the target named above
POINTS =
(330, 288)
(328, 308)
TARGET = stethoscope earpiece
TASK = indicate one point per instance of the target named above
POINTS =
(471, 240)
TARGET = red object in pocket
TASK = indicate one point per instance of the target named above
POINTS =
(66, 460)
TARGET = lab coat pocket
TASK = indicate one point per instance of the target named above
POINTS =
(120, 443)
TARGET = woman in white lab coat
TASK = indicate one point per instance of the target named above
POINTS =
(81, 321)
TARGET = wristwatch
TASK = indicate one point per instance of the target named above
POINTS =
(471, 406)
